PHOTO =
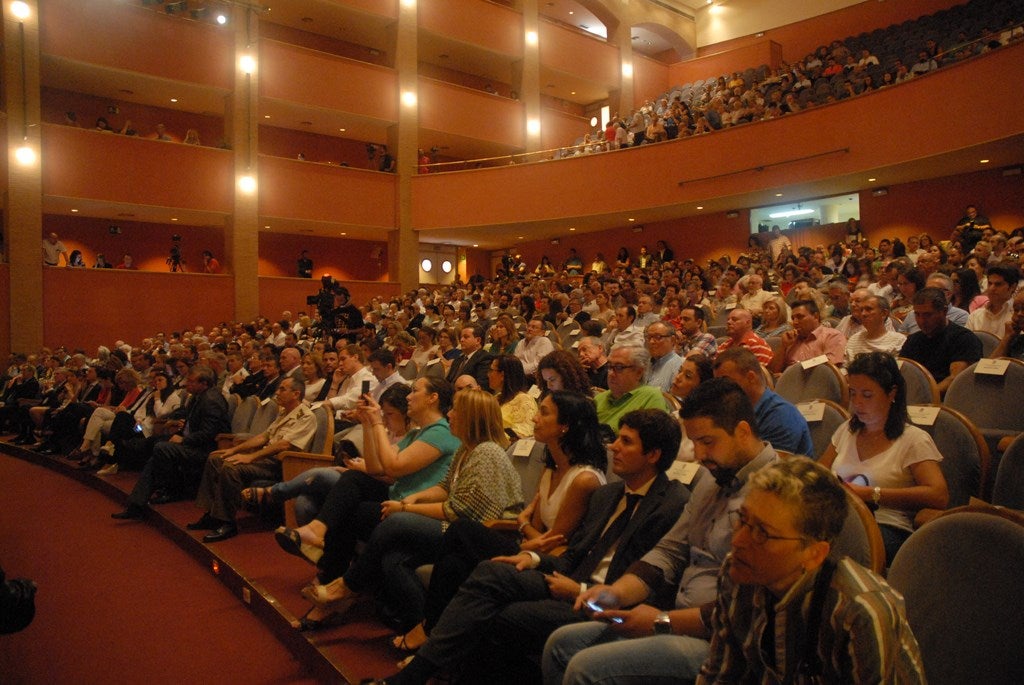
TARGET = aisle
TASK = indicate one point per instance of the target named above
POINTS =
(115, 607)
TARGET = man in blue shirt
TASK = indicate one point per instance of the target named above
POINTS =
(778, 421)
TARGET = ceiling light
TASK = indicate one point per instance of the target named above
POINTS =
(700, 206)
(475, 245)
(778, 194)
(20, 10)
(247, 63)
(222, 19)
(983, 161)
(872, 180)
(25, 155)
(74, 211)
(409, 98)
(531, 37)
(572, 228)
(247, 184)
(631, 220)
(174, 218)
(266, 116)
(174, 99)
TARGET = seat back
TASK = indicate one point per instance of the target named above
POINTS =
(408, 370)
(965, 455)
(921, 386)
(529, 468)
(989, 342)
(1009, 487)
(233, 402)
(265, 416)
(960, 577)
(991, 402)
(323, 438)
(860, 538)
(243, 414)
(821, 382)
(821, 431)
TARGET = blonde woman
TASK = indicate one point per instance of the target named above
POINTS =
(774, 317)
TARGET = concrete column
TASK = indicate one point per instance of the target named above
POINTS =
(621, 99)
(403, 245)
(241, 234)
(24, 210)
(528, 74)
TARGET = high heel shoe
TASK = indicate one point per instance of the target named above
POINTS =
(290, 541)
(323, 596)
(307, 624)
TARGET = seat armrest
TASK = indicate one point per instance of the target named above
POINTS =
(294, 464)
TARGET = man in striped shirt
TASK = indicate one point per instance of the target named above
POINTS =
(784, 613)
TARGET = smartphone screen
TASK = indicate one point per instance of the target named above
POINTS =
(366, 387)
(597, 607)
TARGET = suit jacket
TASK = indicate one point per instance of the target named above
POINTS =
(205, 416)
(477, 367)
(654, 517)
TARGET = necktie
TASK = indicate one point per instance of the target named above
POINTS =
(610, 537)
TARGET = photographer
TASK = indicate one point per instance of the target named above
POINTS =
(348, 320)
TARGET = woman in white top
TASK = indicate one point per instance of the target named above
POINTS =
(890, 464)
(575, 464)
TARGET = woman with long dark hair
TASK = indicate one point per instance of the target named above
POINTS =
(575, 462)
(890, 464)
(509, 384)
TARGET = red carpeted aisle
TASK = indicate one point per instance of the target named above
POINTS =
(119, 606)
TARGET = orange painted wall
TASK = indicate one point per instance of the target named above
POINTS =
(722, 63)
(88, 108)
(469, 112)
(318, 192)
(104, 166)
(875, 138)
(296, 74)
(493, 27)
(149, 244)
(459, 78)
(558, 128)
(560, 49)
(346, 260)
(94, 32)
(649, 79)
(98, 306)
(284, 142)
(803, 37)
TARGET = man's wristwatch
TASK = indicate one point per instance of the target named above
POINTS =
(662, 624)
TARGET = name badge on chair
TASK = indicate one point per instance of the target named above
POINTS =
(812, 411)
(992, 367)
(923, 414)
(814, 361)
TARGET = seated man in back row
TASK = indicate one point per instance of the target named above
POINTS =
(227, 471)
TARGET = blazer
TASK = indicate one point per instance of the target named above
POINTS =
(654, 517)
(477, 367)
(205, 416)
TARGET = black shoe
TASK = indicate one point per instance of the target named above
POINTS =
(47, 449)
(23, 440)
(133, 512)
(207, 522)
(226, 530)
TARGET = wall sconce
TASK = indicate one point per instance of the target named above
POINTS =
(247, 184)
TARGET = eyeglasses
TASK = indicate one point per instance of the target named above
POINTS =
(619, 368)
(655, 336)
(757, 532)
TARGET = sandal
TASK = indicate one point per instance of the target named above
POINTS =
(307, 624)
(257, 499)
(410, 642)
(290, 541)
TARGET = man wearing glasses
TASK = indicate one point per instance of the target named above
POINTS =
(784, 611)
(627, 368)
(664, 635)
(665, 363)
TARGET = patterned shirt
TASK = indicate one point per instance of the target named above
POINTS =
(863, 636)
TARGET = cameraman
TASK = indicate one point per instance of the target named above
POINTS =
(348, 320)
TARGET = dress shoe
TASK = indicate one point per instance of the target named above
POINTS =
(133, 512)
(207, 522)
(226, 530)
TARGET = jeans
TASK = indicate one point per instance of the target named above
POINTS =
(591, 653)
(309, 490)
(398, 545)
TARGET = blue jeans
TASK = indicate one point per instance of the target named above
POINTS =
(398, 545)
(591, 653)
(309, 490)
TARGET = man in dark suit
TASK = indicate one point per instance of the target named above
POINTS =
(505, 611)
(475, 361)
(177, 464)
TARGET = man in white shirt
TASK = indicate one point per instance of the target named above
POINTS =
(533, 347)
(384, 369)
(993, 317)
(623, 329)
(873, 337)
(351, 362)
(53, 248)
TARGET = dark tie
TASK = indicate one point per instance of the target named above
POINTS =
(608, 539)
(457, 366)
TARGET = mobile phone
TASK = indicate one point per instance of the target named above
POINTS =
(366, 387)
(138, 428)
(597, 607)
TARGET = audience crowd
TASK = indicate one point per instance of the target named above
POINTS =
(570, 357)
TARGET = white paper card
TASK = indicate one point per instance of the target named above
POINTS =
(923, 414)
(404, 362)
(575, 344)
(683, 471)
(267, 401)
(574, 332)
(534, 392)
(814, 361)
(433, 361)
(730, 306)
(992, 367)
(523, 447)
(812, 411)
